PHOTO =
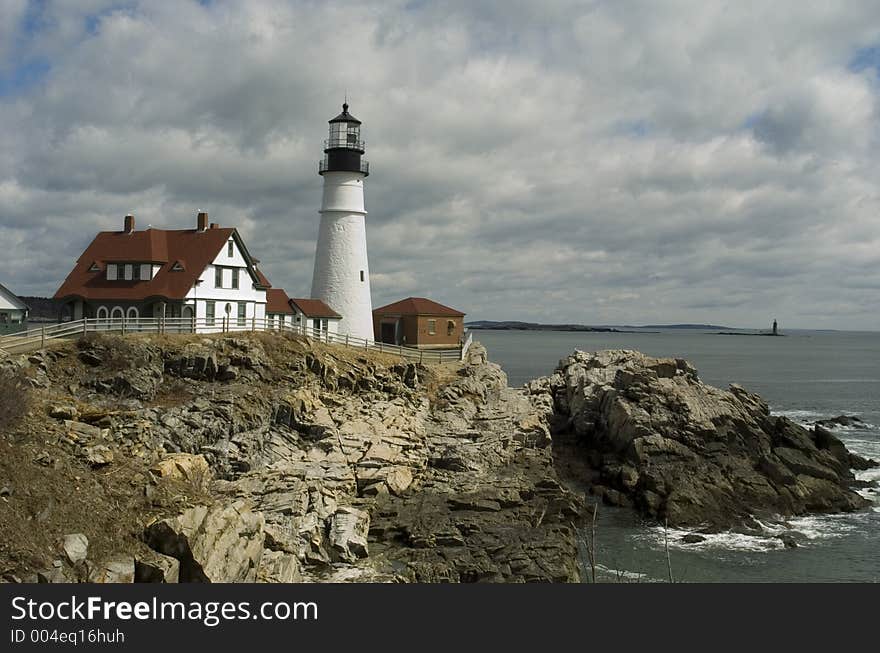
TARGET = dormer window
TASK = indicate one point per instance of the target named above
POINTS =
(127, 271)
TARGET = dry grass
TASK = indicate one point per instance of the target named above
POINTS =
(15, 400)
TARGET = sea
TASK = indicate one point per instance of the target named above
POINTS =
(806, 376)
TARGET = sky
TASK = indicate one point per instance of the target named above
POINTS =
(619, 162)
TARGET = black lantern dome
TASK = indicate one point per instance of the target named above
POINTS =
(344, 148)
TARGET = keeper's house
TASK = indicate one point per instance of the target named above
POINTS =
(13, 311)
(206, 273)
(419, 322)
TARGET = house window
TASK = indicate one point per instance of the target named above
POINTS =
(145, 271)
(95, 267)
(230, 249)
(432, 327)
(102, 313)
(324, 325)
(209, 313)
(235, 278)
(242, 313)
(450, 327)
(128, 272)
(218, 277)
(135, 272)
(316, 325)
(271, 321)
(111, 272)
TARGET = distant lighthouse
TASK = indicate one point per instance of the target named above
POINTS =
(342, 275)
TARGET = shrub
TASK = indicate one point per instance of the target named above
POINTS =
(15, 399)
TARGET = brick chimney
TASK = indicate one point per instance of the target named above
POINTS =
(214, 225)
(202, 221)
(128, 224)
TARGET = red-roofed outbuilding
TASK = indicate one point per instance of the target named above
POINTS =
(419, 322)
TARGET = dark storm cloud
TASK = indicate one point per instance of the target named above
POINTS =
(561, 161)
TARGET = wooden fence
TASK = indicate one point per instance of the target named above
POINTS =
(33, 339)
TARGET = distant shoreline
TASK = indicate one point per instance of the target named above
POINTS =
(512, 325)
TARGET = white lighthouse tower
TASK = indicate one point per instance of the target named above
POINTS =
(342, 275)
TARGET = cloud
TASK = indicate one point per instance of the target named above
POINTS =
(581, 162)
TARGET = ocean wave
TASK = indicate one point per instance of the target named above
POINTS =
(727, 541)
(623, 575)
(808, 529)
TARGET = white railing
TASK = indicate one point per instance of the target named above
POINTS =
(33, 339)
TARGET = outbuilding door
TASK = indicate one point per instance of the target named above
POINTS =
(388, 333)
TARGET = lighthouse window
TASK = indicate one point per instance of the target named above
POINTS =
(362, 275)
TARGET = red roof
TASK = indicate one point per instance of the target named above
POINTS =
(314, 308)
(194, 250)
(277, 301)
(418, 306)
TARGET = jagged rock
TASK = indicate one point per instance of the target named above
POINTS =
(841, 420)
(55, 574)
(118, 569)
(91, 357)
(278, 567)
(399, 479)
(153, 567)
(75, 547)
(63, 411)
(82, 432)
(348, 534)
(220, 544)
(98, 455)
(184, 467)
(689, 453)
(791, 539)
(693, 538)
(43, 458)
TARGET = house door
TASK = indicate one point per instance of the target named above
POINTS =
(387, 335)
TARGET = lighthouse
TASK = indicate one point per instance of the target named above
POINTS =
(342, 275)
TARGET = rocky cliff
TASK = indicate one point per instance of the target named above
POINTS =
(275, 459)
(262, 458)
(653, 436)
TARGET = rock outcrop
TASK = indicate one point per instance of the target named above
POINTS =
(274, 459)
(220, 544)
(654, 436)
